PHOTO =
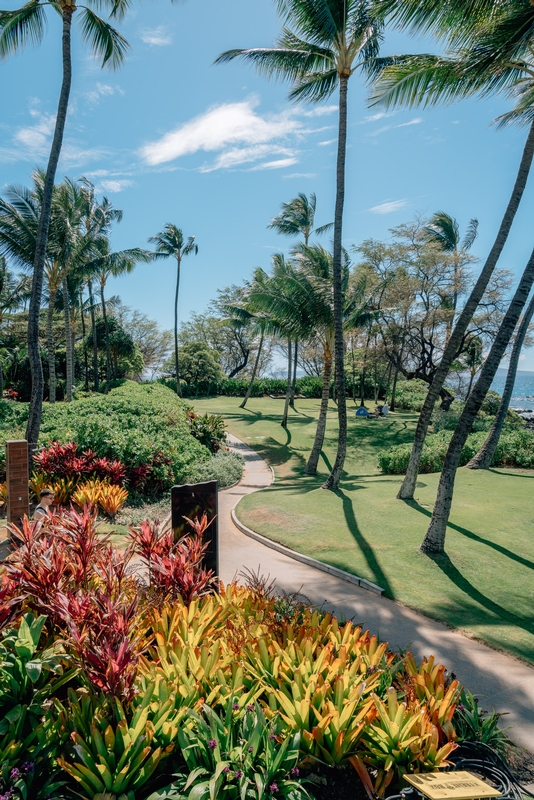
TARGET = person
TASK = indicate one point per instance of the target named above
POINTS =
(385, 409)
(46, 500)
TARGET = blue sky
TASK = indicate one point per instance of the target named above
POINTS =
(216, 149)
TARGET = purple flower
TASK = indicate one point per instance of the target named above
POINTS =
(461, 707)
(235, 706)
(212, 744)
(484, 712)
(295, 772)
(28, 766)
(273, 787)
(226, 770)
(475, 699)
(250, 749)
(238, 773)
(14, 774)
(7, 796)
(250, 707)
(272, 737)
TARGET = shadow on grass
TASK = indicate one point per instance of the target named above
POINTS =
(475, 537)
(501, 615)
(368, 553)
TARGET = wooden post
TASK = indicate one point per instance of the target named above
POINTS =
(18, 496)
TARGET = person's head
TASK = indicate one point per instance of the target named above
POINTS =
(47, 497)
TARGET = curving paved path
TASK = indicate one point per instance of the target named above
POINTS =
(497, 679)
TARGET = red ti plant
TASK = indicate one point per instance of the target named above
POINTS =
(175, 569)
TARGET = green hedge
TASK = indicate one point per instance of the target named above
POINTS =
(132, 423)
(237, 387)
(515, 449)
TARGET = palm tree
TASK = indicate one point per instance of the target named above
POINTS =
(298, 218)
(484, 457)
(171, 242)
(444, 231)
(17, 28)
(10, 299)
(322, 44)
(494, 52)
(434, 541)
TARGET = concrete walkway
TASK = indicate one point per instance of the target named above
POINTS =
(498, 680)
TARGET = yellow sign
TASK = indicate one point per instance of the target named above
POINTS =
(452, 786)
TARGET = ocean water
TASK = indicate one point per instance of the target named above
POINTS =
(523, 394)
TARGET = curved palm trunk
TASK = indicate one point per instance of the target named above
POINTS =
(106, 333)
(51, 347)
(313, 460)
(434, 540)
(332, 482)
(484, 457)
(96, 378)
(294, 380)
(36, 369)
(470, 386)
(68, 349)
(178, 392)
(408, 485)
(253, 376)
(288, 389)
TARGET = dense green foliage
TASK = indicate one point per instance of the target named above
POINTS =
(410, 395)
(515, 449)
(133, 424)
(225, 467)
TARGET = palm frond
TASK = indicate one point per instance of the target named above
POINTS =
(105, 41)
(25, 25)
(471, 234)
(314, 87)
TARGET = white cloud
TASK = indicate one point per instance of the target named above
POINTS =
(114, 186)
(236, 129)
(277, 164)
(156, 37)
(35, 137)
(102, 90)
(320, 111)
(299, 175)
(415, 121)
(388, 207)
(376, 117)
(385, 128)
(328, 141)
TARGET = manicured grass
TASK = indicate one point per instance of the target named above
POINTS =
(485, 582)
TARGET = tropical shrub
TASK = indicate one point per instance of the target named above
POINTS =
(107, 496)
(475, 724)
(410, 395)
(208, 429)
(225, 467)
(515, 449)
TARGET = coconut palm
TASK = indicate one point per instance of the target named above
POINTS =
(484, 457)
(492, 51)
(297, 218)
(18, 28)
(10, 299)
(322, 44)
(171, 242)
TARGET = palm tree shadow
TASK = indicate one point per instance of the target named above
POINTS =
(503, 616)
(475, 537)
(326, 461)
(379, 575)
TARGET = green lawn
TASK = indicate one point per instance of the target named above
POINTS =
(483, 585)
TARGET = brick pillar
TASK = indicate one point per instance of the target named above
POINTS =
(18, 497)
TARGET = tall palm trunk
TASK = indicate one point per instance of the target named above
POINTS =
(178, 391)
(408, 485)
(106, 334)
(68, 353)
(470, 385)
(96, 379)
(434, 540)
(50, 345)
(288, 388)
(294, 381)
(84, 332)
(254, 371)
(36, 368)
(332, 482)
(484, 457)
(394, 389)
(313, 460)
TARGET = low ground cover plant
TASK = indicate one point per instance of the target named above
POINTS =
(158, 682)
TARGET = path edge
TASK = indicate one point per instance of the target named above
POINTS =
(308, 560)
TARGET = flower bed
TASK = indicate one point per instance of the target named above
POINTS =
(120, 686)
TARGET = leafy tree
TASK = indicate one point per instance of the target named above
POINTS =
(199, 364)
(490, 49)
(17, 28)
(171, 242)
(322, 44)
(10, 299)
